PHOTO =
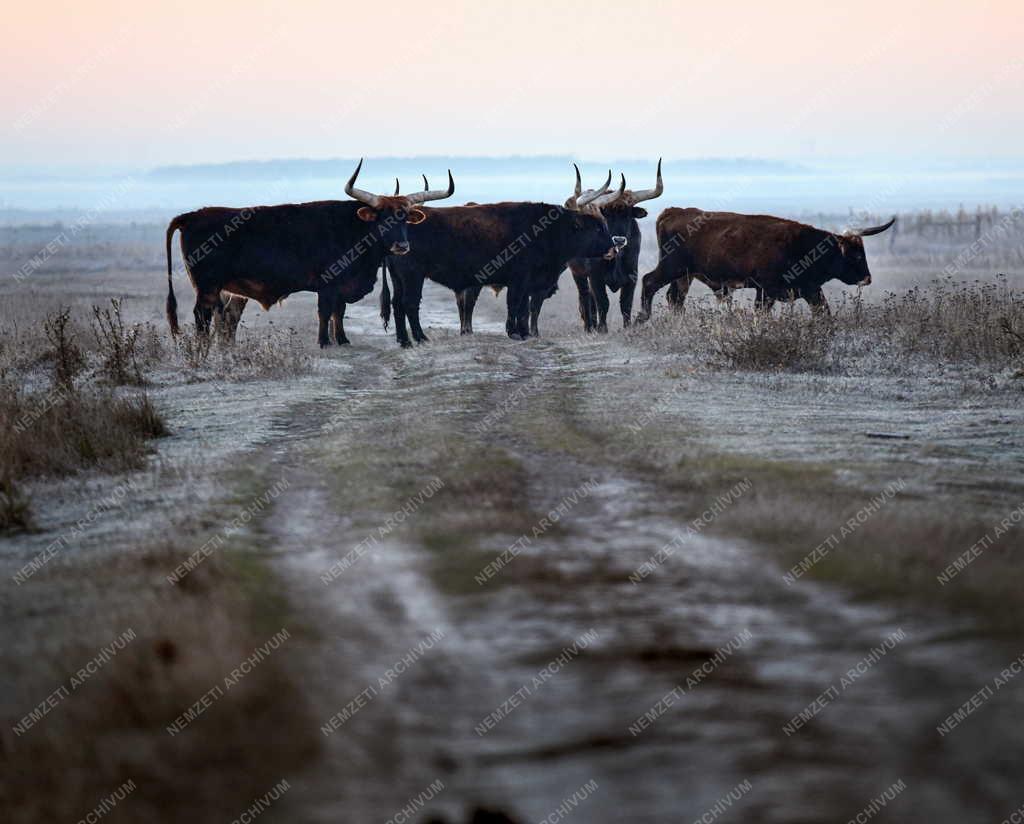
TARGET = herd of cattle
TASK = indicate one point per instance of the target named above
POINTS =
(336, 247)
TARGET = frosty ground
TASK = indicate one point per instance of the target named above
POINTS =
(662, 564)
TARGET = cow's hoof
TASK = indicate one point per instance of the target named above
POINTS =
(515, 336)
(641, 318)
(344, 342)
(405, 344)
(602, 329)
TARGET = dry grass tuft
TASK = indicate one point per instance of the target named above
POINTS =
(66, 356)
(60, 432)
(113, 727)
(119, 345)
(273, 353)
(749, 341)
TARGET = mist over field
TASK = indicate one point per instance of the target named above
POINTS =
(787, 187)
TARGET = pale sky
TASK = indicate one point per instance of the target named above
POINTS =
(181, 82)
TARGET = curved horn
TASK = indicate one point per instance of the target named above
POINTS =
(426, 183)
(396, 187)
(650, 194)
(588, 197)
(368, 198)
(434, 194)
(876, 230)
(609, 199)
(571, 201)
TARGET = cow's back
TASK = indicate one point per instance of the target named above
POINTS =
(726, 248)
(463, 246)
(267, 252)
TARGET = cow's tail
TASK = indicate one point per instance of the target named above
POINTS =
(385, 295)
(172, 302)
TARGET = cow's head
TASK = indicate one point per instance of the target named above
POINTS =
(584, 228)
(850, 262)
(583, 209)
(388, 216)
(622, 213)
(620, 209)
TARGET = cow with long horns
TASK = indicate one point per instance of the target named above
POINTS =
(521, 247)
(545, 287)
(266, 253)
(781, 259)
(595, 276)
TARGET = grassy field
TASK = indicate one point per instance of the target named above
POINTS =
(913, 385)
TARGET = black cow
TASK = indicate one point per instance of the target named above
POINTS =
(543, 287)
(520, 246)
(266, 253)
(782, 259)
(594, 276)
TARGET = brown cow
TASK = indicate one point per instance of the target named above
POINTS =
(782, 259)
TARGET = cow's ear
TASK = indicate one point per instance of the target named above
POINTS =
(416, 216)
(639, 213)
(367, 214)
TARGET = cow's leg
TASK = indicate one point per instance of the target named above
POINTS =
(460, 301)
(816, 300)
(536, 301)
(601, 298)
(324, 308)
(471, 296)
(724, 295)
(206, 304)
(587, 308)
(398, 307)
(673, 297)
(467, 301)
(523, 315)
(338, 321)
(412, 295)
(677, 291)
(226, 316)
(763, 303)
(664, 273)
(232, 314)
(626, 301)
(516, 302)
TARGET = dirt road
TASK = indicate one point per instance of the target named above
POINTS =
(490, 540)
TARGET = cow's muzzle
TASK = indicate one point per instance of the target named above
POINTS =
(400, 248)
(619, 241)
(865, 282)
(612, 253)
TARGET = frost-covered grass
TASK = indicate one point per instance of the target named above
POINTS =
(975, 326)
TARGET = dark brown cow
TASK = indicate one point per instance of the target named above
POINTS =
(595, 276)
(782, 259)
(544, 287)
(520, 246)
(266, 253)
